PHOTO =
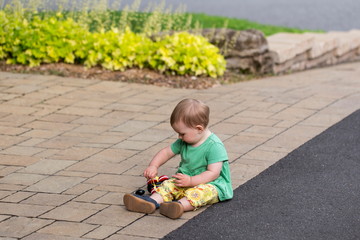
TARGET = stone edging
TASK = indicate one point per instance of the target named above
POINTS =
(250, 51)
(294, 52)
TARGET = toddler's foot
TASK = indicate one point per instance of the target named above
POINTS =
(172, 210)
(141, 204)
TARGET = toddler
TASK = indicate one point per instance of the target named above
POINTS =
(203, 176)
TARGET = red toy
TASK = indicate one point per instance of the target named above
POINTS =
(155, 182)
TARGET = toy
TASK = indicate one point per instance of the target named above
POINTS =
(140, 192)
(153, 183)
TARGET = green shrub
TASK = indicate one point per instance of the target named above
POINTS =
(117, 51)
(184, 53)
(40, 41)
(51, 39)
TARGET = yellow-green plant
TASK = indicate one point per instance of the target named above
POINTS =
(184, 53)
(40, 41)
(33, 38)
(116, 50)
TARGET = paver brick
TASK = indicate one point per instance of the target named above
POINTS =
(31, 143)
(15, 120)
(44, 236)
(74, 212)
(25, 179)
(58, 126)
(113, 155)
(152, 135)
(102, 232)
(99, 167)
(134, 145)
(76, 153)
(75, 174)
(67, 229)
(79, 189)
(19, 227)
(47, 166)
(48, 199)
(90, 196)
(145, 226)
(113, 198)
(55, 184)
(39, 133)
(93, 129)
(80, 111)
(132, 182)
(134, 126)
(7, 141)
(22, 150)
(97, 121)
(11, 187)
(13, 160)
(61, 118)
(7, 108)
(12, 130)
(127, 237)
(24, 210)
(17, 197)
(61, 142)
(116, 216)
(4, 194)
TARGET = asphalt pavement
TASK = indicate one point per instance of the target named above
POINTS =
(312, 193)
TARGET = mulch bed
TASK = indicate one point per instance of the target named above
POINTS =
(143, 76)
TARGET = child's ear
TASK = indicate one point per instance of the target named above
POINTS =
(199, 128)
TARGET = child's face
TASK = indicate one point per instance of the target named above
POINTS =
(190, 135)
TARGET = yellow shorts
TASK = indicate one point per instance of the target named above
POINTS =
(198, 196)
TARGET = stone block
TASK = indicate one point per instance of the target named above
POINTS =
(281, 52)
(323, 60)
(322, 44)
(347, 41)
(286, 46)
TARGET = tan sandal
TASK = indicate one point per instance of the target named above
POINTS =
(172, 210)
(139, 204)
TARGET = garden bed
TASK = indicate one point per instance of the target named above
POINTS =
(143, 76)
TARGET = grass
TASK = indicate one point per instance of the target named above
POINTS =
(207, 21)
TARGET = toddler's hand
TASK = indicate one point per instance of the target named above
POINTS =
(182, 180)
(150, 172)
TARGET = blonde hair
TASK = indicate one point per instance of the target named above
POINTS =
(191, 112)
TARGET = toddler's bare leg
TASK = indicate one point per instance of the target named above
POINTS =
(186, 204)
(157, 197)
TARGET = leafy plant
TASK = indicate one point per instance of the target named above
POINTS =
(183, 53)
(49, 39)
(116, 50)
(40, 41)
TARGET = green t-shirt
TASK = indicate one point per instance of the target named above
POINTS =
(194, 160)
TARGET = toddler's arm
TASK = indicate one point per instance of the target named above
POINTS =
(159, 159)
(212, 173)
